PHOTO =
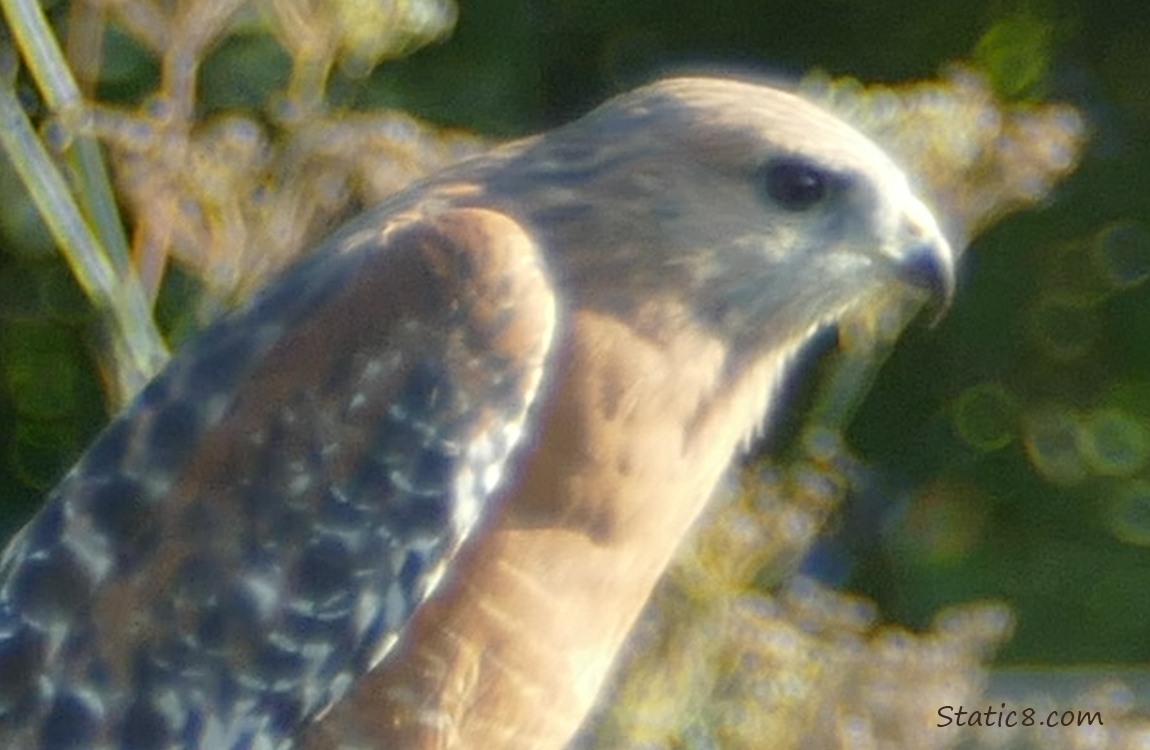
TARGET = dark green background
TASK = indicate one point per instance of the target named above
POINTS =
(963, 517)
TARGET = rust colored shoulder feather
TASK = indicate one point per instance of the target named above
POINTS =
(254, 531)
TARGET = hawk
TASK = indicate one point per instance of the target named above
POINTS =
(415, 493)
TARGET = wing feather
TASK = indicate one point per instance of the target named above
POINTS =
(253, 533)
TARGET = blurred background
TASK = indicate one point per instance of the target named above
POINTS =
(1008, 446)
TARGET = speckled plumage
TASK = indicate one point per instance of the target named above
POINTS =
(524, 376)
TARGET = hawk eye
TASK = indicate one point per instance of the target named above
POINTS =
(795, 184)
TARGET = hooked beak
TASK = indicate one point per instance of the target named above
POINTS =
(930, 267)
(926, 261)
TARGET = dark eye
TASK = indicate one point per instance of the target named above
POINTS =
(794, 184)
